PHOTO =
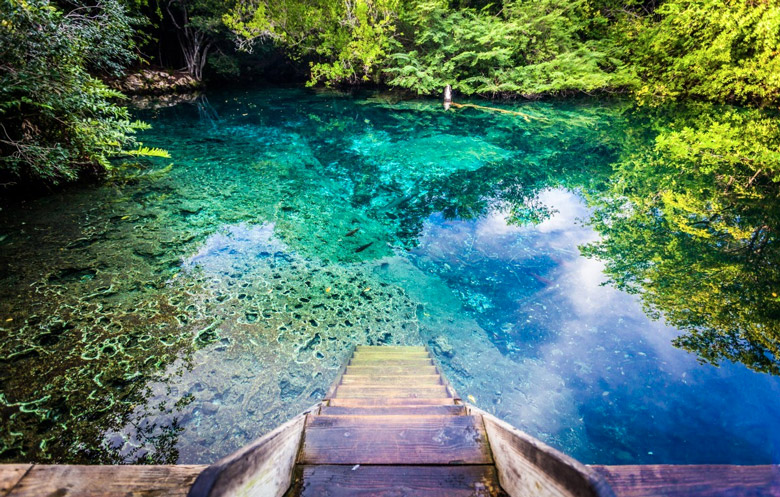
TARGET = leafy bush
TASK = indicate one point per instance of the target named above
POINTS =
(56, 120)
(344, 42)
(721, 50)
(531, 47)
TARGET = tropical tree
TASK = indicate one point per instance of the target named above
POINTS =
(198, 25)
(344, 42)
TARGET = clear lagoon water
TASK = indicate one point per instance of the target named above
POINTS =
(187, 306)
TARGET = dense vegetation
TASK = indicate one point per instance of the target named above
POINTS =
(59, 120)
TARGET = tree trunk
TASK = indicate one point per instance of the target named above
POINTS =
(195, 44)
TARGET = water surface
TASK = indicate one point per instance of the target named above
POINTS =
(179, 311)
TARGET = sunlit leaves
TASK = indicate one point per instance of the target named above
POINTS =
(690, 225)
(57, 120)
(344, 42)
(710, 49)
(531, 48)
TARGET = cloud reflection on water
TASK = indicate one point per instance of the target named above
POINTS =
(597, 377)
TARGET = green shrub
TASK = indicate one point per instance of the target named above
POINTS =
(56, 120)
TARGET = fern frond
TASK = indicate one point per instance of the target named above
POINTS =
(139, 125)
(142, 151)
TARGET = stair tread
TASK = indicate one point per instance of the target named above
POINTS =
(390, 361)
(361, 379)
(378, 401)
(396, 370)
(452, 410)
(396, 481)
(413, 392)
(390, 347)
(395, 440)
(388, 350)
(391, 355)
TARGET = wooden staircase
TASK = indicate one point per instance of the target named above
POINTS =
(391, 426)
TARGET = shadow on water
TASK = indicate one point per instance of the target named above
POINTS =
(176, 313)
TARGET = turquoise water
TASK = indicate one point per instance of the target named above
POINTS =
(177, 312)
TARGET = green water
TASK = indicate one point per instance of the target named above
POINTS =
(173, 314)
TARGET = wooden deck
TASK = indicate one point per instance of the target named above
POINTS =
(714, 480)
(28, 480)
(392, 426)
(18, 480)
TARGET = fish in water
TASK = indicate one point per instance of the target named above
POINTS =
(364, 247)
(352, 232)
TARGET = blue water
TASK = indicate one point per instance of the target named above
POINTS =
(173, 314)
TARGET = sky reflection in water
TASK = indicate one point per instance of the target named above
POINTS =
(588, 366)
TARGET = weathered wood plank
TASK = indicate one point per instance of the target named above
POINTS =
(10, 474)
(526, 466)
(381, 361)
(263, 467)
(413, 392)
(391, 355)
(389, 380)
(392, 347)
(692, 480)
(451, 410)
(395, 440)
(397, 481)
(368, 402)
(385, 369)
(106, 481)
(390, 350)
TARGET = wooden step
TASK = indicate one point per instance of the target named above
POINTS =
(387, 370)
(451, 410)
(392, 348)
(396, 481)
(369, 402)
(412, 392)
(391, 355)
(401, 380)
(395, 440)
(385, 361)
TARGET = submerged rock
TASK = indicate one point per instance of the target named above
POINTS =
(441, 346)
(209, 408)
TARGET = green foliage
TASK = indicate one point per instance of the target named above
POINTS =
(142, 151)
(532, 47)
(57, 121)
(344, 41)
(354, 47)
(721, 50)
(224, 65)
